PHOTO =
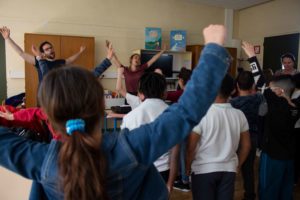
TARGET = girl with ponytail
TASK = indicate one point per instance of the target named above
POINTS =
(75, 114)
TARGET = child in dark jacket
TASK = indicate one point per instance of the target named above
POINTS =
(276, 162)
(249, 102)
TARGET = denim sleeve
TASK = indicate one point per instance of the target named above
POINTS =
(150, 141)
(22, 156)
(99, 69)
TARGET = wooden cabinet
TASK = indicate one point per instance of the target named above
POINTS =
(196, 51)
(64, 46)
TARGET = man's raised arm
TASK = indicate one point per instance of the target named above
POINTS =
(72, 58)
(6, 35)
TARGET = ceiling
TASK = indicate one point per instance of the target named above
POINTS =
(231, 4)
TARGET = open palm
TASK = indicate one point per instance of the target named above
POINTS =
(5, 32)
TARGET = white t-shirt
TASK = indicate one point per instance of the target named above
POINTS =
(132, 100)
(145, 113)
(220, 131)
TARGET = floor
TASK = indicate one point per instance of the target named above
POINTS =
(238, 194)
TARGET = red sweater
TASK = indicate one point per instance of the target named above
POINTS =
(173, 96)
(32, 119)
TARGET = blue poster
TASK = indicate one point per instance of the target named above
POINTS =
(178, 40)
(153, 38)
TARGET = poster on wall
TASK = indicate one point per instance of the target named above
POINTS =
(178, 40)
(153, 38)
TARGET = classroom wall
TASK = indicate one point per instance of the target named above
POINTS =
(122, 22)
(278, 17)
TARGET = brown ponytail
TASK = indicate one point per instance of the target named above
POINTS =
(74, 93)
(82, 177)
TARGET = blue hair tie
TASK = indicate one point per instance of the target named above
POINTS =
(75, 125)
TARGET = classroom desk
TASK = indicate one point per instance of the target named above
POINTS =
(114, 116)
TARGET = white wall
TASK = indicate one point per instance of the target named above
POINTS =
(120, 21)
(278, 17)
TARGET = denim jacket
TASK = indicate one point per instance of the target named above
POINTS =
(100, 68)
(130, 154)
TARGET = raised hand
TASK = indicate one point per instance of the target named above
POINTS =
(214, 34)
(248, 48)
(110, 50)
(82, 49)
(5, 32)
(107, 43)
(6, 114)
(278, 91)
(281, 93)
(35, 51)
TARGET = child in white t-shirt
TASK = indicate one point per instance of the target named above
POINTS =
(212, 147)
(152, 91)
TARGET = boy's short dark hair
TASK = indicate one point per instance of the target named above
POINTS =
(227, 86)
(296, 80)
(245, 80)
(185, 74)
(240, 69)
(152, 85)
(42, 44)
(268, 75)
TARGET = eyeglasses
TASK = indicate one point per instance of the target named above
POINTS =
(46, 49)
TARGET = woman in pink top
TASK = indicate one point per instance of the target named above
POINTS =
(135, 70)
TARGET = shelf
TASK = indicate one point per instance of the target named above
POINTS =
(167, 51)
(180, 58)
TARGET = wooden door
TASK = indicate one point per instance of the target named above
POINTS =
(196, 52)
(232, 69)
(64, 46)
(31, 75)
